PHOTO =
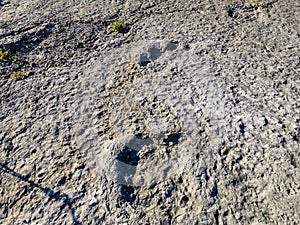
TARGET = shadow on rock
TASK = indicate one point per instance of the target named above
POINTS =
(56, 196)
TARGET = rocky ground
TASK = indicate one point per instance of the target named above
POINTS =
(188, 114)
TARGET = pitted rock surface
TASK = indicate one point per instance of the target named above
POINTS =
(190, 116)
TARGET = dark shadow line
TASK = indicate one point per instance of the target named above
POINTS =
(30, 40)
(47, 191)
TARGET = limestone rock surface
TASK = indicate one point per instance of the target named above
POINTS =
(190, 115)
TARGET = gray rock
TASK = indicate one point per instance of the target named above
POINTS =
(191, 116)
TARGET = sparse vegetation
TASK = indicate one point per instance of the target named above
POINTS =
(18, 75)
(260, 4)
(4, 55)
(117, 26)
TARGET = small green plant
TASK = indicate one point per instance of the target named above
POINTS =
(18, 75)
(117, 26)
(4, 55)
(260, 4)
